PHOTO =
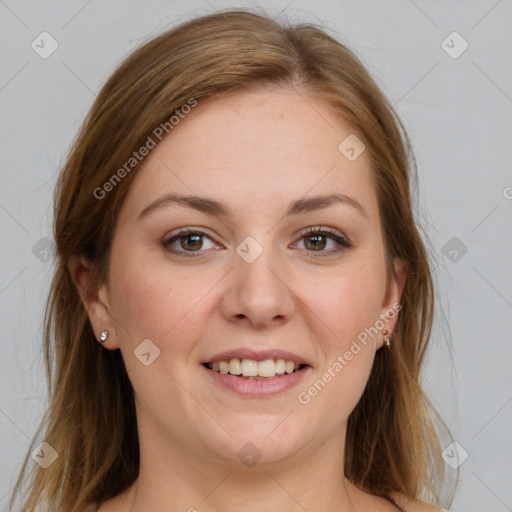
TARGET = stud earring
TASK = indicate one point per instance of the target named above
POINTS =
(103, 336)
(387, 340)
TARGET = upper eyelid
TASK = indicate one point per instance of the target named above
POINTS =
(302, 232)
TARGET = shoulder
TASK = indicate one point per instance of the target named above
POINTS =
(410, 505)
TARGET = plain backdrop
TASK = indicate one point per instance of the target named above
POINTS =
(447, 68)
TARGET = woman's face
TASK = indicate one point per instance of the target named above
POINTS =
(243, 171)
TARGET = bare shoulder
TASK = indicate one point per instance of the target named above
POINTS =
(410, 505)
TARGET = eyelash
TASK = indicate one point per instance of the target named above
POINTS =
(343, 243)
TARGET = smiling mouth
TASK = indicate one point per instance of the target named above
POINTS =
(250, 369)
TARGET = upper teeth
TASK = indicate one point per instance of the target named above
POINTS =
(252, 368)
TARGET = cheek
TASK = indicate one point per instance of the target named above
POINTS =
(348, 350)
(151, 300)
(143, 302)
(348, 303)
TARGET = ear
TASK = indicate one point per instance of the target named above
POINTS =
(391, 305)
(96, 301)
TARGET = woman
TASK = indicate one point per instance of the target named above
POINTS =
(242, 300)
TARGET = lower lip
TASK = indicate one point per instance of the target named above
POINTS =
(258, 388)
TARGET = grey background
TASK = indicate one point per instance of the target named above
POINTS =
(457, 110)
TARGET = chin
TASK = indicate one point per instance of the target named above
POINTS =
(264, 441)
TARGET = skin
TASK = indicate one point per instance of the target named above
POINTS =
(256, 151)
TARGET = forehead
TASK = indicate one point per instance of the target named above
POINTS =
(264, 147)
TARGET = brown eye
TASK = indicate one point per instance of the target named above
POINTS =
(317, 239)
(316, 242)
(192, 242)
(187, 242)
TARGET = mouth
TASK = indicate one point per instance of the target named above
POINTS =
(249, 378)
(250, 369)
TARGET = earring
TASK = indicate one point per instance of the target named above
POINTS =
(103, 336)
(387, 340)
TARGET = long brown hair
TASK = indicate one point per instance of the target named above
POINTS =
(392, 443)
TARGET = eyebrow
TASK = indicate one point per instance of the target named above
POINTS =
(220, 209)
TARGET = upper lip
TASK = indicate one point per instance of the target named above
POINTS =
(257, 355)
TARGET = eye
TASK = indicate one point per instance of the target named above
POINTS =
(188, 240)
(317, 238)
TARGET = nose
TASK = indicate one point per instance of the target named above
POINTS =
(257, 293)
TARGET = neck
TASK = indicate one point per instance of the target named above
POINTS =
(173, 475)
